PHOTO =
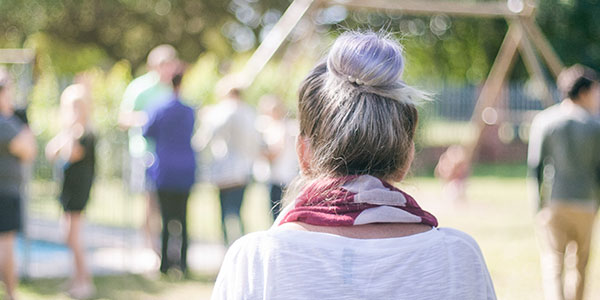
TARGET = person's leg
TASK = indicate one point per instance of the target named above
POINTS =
(7, 263)
(82, 282)
(224, 201)
(231, 202)
(164, 201)
(275, 195)
(553, 240)
(238, 198)
(152, 224)
(74, 221)
(182, 218)
(582, 223)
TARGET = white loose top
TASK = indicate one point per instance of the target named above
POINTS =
(291, 264)
(228, 131)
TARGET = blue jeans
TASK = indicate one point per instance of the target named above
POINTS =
(231, 203)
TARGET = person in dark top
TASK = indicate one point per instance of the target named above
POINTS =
(17, 146)
(73, 152)
(563, 169)
(170, 127)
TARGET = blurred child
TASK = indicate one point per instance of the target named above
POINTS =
(73, 152)
(453, 168)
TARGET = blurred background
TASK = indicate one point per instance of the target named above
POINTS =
(109, 40)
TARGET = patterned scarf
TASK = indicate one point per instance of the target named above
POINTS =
(356, 200)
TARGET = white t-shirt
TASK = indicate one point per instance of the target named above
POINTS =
(290, 264)
(234, 143)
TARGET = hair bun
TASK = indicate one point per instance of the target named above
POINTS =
(372, 62)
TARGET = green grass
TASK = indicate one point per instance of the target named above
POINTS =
(124, 287)
(497, 214)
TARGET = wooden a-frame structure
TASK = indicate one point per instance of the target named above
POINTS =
(523, 36)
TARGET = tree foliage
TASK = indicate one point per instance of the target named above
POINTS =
(78, 34)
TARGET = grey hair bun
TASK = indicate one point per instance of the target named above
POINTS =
(369, 62)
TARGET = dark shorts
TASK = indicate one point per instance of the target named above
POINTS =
(10, 213)
(74, 200)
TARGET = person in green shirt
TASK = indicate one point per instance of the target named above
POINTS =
(141, 96)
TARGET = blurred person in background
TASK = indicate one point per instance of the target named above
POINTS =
(453, 168)
(73, 152)
(564, 165)
(141, 96)
(279, 139)
(170, 127)
(228, 132)
(350, 233)
(17, 147)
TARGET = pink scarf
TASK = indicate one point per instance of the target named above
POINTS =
(356, 200)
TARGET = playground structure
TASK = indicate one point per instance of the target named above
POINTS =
(523, 36)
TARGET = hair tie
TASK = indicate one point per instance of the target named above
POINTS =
(355, 80)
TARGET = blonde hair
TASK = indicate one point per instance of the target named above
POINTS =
(75, 95)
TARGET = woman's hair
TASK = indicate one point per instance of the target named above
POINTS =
(575, 80)
(356, 113)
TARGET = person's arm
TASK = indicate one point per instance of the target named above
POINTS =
(23, 145)
(132, 119)
(128, 116)
(150, 129)
(535, 161)
(208, 128)
(67, 146)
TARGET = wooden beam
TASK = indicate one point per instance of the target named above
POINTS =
(273, 40)
(491, 9)
(16, 56)
(493, 85)
(542, 44)
(534, 68)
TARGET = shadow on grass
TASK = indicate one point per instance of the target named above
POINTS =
(132, 286)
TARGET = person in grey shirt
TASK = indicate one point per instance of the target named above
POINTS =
(564, 165)
(17, 146)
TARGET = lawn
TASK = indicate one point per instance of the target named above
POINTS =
(497, 214)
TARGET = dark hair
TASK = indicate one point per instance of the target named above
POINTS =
(575, 80)
(177, 79)
(178, 75)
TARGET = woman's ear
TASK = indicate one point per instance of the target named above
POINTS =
(304, 154)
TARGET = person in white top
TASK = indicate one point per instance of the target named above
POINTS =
(228, 132)
(349, 233)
